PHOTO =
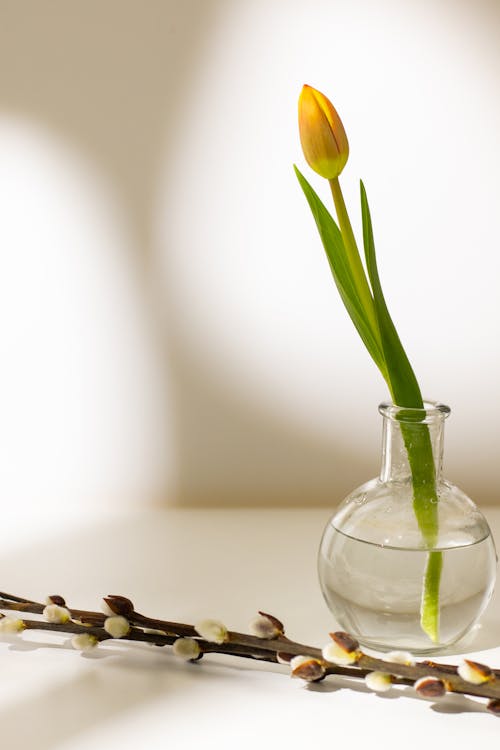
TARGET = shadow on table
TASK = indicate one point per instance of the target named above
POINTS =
(449, 704)
(125, 681)
(128, 677)
(71, 708)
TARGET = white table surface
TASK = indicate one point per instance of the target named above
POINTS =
(186, 565)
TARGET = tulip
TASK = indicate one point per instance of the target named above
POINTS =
(326, 150)
(322, 134)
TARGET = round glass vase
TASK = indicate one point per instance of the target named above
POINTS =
(378, 550)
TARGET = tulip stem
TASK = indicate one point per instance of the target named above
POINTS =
(362, 294)
(404, 389)
(353, 256)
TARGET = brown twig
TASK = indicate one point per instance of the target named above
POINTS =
(279, 648)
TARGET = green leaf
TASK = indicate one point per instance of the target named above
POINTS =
(340, 268)
(405, 391)
(403, 383)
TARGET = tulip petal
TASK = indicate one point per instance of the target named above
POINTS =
(322, 134)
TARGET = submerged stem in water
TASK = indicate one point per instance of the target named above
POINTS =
(426, 507)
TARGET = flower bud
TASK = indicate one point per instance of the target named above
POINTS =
(322, 134)
(187, 649)
(56, 613)
(307, 668)
(55, 599)
(380, 682)
(283, 658)
(212, 630)
(296, 661)
(114, 604)
(11, 625)
(154, 631)
(84, 642)
(343, 651)
(265, 626)
(430, 687)
(494, 706)
(117, 626)
(473, 672)
(400, 657)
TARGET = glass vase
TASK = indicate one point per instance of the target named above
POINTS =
(376, 551)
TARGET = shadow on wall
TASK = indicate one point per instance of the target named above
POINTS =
(109, 78)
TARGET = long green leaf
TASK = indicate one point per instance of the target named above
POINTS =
(336, 254)
(405, 391)
(404, 386)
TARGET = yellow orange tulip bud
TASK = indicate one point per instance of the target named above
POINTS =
(322, 134)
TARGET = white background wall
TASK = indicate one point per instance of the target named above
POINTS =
(169, 329)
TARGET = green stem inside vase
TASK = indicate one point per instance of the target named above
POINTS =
(418, 446)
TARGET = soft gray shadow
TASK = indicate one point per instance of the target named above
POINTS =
(73, 707)
(110, 78)
(232, 451)
(449, 704)
(27, 646)
(482, 637)
(459, 704)
(106, 691)
(79, 705)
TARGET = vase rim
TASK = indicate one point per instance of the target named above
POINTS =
(433, 411)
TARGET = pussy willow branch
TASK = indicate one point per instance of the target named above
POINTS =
(279, 648)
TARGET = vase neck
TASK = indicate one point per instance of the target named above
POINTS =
(403, 427)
